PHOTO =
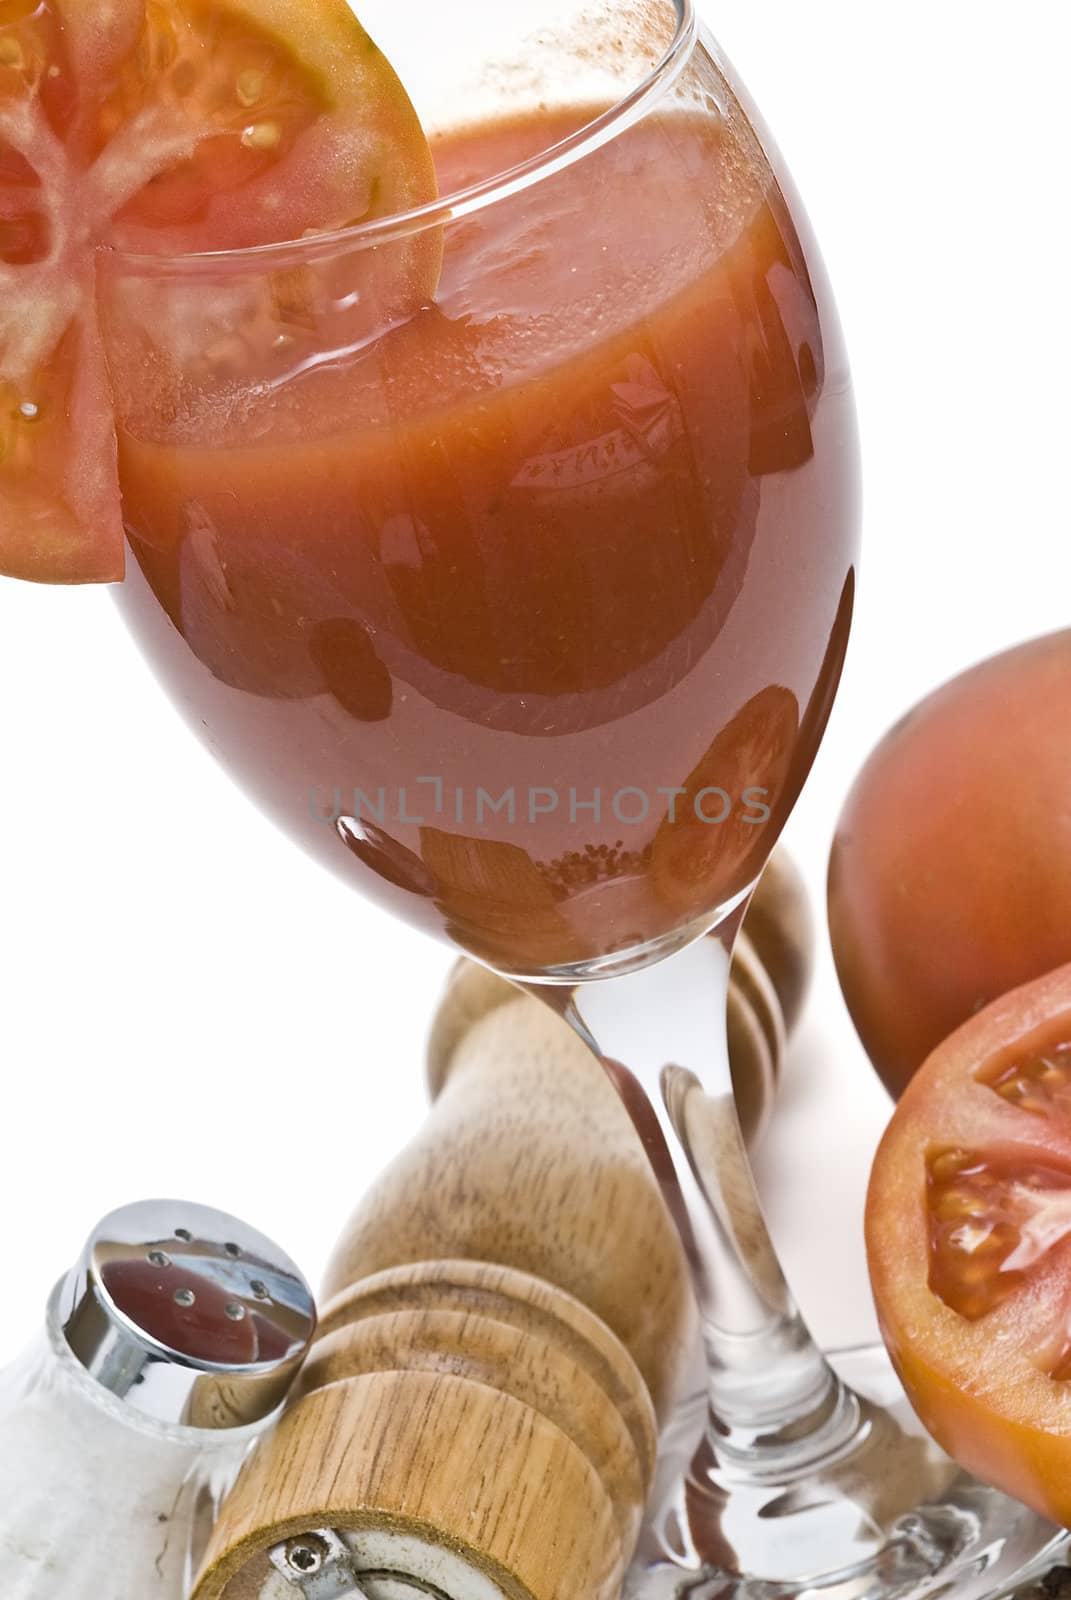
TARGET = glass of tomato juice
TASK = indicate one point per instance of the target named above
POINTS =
(504, 550)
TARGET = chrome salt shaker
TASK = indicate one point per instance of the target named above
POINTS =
(166, 1351)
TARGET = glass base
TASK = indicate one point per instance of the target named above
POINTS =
(884, 1514)
(633, 959)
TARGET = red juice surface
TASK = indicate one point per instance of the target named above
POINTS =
(525, 614)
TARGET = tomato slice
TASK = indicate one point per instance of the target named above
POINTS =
(714, 841)
(968, 1228)
(163, 127)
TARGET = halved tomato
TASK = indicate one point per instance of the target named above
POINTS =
(163, 127)
(968, 1228)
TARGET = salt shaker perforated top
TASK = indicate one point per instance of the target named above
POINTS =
(166, 1351)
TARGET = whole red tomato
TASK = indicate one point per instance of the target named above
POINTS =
(950, 878)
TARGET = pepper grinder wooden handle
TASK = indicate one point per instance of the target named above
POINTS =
(507, 1321)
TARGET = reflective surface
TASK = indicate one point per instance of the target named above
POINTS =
(908, 1521)
(187, 1315)
(163, 1354)
(525, 612)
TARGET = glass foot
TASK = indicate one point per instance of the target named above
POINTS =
(885, 1513)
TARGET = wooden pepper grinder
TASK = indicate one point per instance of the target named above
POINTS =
(507, 1321)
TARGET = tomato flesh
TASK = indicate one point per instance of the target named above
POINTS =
(990, 1223)
(1041, 1084)
(968, 1229)
(162, 127)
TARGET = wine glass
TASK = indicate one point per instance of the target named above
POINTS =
(524, 607)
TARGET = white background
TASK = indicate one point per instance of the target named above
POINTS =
(188, 1007)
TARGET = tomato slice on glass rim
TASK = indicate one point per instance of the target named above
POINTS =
(968, 1227)
(163, 127)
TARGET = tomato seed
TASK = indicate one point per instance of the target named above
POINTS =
(250, 86)
(976, 1241)
(950, 1164)
(951, 1207)
(974, 1274)
(11, 54)
(262, 136)
(1038, 1085)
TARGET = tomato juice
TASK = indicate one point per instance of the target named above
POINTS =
(525, 611)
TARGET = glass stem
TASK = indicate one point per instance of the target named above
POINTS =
(661, 1035)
